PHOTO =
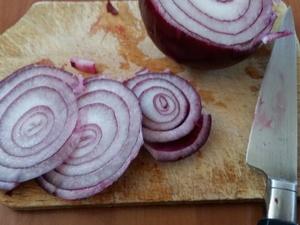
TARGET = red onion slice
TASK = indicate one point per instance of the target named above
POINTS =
(185, 146)
(8, 83)
(7, 185)
(111, 122)
(38, 113)
(89, 191)
(84, 65)
(173, 126)
(160, 123)
(169, 105)
(191, 30)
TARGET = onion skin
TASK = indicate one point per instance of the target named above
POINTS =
(111, 9)
(183, 47)
(273, 36)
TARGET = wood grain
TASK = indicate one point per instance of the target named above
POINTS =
(234, 214)
(217, 173)
(203, 214)
(12, 10)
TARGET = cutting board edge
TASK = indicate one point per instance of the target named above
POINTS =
(14, 206)
(136, 204)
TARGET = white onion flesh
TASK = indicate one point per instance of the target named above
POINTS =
(181, 148)
(38, 114)
(169, 127)
(221, 22)
(193, 31)
(173, 124)
(7, 185)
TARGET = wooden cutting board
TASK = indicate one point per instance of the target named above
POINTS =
(52, 32)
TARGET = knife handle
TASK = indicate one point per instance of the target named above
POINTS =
(274, 222)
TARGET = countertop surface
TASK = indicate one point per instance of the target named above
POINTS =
(218, 213)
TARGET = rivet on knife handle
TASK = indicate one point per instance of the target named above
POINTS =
(273, 139)
(281, 199)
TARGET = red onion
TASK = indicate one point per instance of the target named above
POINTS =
(111, 9)
(7, 185)
(84, 65)
(193, 30)
(173, 126)
(38, 113)
(185, 146)
(111, 122)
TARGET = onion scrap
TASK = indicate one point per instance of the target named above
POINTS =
(84, 65)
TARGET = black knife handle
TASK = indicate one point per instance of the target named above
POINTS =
(274, 222)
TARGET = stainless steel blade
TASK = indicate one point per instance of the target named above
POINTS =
(272, 145)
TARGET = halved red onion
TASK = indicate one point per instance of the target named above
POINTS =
(84, 65)
(173, 126)
(111, 122)
(193, 30)
(38, 113)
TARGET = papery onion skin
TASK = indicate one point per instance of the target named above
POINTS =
(184, 48)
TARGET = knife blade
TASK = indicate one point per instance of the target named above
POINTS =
(272, 146)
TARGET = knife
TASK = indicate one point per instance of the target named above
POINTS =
(272, 146)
